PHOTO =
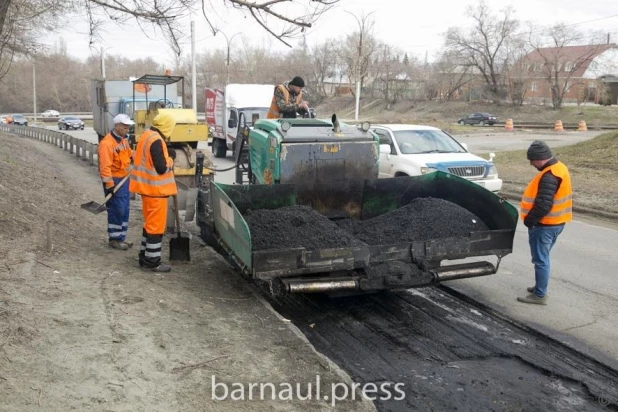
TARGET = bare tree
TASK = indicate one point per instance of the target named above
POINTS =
(482, 46)
(558, 54)
(449, 76)
(516, 68)
(357, 50)
(21, 19)
(389, 76)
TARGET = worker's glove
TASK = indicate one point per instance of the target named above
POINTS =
(109, 191)
(172, 153)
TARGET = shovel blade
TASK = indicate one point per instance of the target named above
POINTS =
(94, 207)
(180, 249)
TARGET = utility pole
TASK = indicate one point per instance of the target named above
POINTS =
(34, 87)
(103, 63)
(193, 75)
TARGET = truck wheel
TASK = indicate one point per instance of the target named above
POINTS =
(219, 148)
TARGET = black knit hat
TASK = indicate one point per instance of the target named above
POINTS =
(297, 81)
(539, 150)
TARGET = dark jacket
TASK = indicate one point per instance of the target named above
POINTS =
(156, 152)
(548, 186)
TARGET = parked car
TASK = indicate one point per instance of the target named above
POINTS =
(20, 120)
(70, 122)
(50, 113)
(479, 118)
(412, 150)
(3, 118)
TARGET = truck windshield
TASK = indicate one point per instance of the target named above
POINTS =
(426, 141)
(138, 106)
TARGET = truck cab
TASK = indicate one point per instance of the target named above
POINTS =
(414, 150)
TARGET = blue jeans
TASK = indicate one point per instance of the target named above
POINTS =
(118, 212)
(542, 239)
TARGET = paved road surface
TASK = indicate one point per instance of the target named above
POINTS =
(583, 305)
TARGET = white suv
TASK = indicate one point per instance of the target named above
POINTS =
(411, 150)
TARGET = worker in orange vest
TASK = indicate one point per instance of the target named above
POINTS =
(115, 155)
(152, 178)
(546, 206)
(288, 100)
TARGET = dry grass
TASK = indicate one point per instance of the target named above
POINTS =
(593, 165)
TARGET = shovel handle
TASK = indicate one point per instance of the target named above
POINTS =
(176, 213)
(122, 182)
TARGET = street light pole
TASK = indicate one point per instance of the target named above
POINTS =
(193, 71)
(227, 64)
(361, 28)
(34, 87)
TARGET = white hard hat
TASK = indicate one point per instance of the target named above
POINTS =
(124, 119)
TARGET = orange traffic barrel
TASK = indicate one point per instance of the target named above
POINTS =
(508, 125)
(558, 126)
(582, 126)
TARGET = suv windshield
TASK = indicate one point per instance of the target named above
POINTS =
(426, 141)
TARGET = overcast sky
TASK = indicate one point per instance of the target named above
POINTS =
(416, 27)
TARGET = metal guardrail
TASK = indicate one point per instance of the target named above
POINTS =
(80, 148)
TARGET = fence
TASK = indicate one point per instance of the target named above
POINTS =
(80, 148)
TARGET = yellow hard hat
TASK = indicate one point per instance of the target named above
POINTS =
(165, 122)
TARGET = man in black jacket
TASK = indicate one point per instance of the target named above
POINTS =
(546, 207)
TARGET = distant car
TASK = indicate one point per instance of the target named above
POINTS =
(69, 122)
(3, 119)
(50, 113)
(20, 120)
(479, 118)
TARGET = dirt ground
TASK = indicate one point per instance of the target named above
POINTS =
(82, 327)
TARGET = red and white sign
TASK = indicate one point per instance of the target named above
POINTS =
(215, 105)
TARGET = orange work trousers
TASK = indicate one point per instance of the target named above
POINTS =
(154, 210)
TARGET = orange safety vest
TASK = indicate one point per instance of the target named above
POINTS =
(562, 209)
(114, 159)
(273, 112)
(144, 177)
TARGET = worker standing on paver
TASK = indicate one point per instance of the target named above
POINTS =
(153, 179)
(115, 155)
(288, 100)
(546, 206)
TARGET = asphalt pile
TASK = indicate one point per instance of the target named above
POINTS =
(302, 226)
(422, 219)
(295, 226)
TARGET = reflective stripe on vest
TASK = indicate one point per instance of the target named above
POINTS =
(562, 207)
(145, 179)
(273, 112)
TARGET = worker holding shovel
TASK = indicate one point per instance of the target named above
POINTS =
(114, 167)
(153, 178)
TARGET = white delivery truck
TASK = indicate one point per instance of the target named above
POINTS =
(234, 107)
(111, 97)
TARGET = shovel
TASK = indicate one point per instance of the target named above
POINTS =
(179, 246)
(94, 207)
